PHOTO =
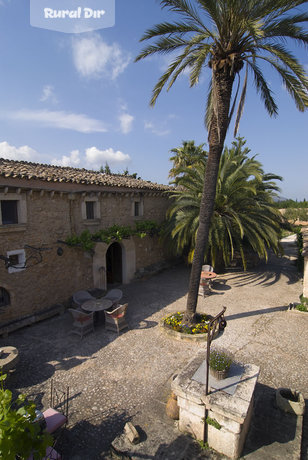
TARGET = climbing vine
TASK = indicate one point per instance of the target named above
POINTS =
(87, 240)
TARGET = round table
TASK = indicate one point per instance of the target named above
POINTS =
(208, 275)
(8, 358)
(96, 305)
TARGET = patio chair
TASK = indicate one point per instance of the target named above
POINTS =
(83, 322)
(115, 295)
(205, 286)
(115, 319)
(57, 414)
(81, 297)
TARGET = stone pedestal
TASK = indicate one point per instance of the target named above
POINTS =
(232, 412)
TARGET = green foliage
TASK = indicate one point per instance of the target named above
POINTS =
(289, 204)
(300, 247)
(187, 156)
(303, 306)
(294, 214)
(220, 360)
(175, 322)
(87, 240)
(106, 169)
(244, 217)
(19, 436)
(203, 445)
(213, 422)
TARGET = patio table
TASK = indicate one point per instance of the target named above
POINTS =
(96, 306)
(8, 358)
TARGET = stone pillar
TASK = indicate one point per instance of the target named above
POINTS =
(230, 413)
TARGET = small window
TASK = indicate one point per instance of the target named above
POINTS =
(17, 260)
(137, 209)
(9, 212)
(90, 210)
(4, 297)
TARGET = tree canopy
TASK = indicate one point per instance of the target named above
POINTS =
(244, 219)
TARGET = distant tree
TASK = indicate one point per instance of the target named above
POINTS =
(186, 156)
(106, 169)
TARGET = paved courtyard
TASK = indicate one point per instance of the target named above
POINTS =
(113, 379)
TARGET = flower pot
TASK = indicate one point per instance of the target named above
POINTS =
(219, 375)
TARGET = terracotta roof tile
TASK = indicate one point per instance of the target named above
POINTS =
(50, 173)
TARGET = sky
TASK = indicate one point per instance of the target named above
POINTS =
(80, 100)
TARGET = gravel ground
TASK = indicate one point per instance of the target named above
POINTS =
(114, 379)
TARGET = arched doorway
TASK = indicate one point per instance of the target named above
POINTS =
(114, 264)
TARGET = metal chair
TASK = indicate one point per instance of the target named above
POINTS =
(115, 319)
(81, 297)
(57, 414)
(83, 322)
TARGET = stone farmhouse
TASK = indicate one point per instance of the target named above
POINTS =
(40, 206)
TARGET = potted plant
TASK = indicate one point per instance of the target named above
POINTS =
(220, 363)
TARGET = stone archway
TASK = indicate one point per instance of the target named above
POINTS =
(128, 262)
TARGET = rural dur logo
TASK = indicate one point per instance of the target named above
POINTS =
(72, 16)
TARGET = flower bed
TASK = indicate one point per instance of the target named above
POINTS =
(175, 323)
(174, 327)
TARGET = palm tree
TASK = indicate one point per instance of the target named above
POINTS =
(186, 156)
(228, 36)
(245, 218)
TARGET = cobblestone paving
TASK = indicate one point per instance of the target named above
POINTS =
(113, 379)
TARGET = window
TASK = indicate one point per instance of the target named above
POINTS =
(137, 208)
(13, 209)
(4, 297)
(90, 210)
(17, 260)
(9, 212)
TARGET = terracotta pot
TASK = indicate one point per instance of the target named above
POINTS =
(219, 375)
(172, 408)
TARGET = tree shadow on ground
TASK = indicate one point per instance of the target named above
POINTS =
(269, 424)
(262, 311)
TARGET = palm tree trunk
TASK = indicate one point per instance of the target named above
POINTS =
(222, 82)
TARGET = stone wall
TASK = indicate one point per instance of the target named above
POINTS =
(52, 216)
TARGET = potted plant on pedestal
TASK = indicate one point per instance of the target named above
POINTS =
(220, 363)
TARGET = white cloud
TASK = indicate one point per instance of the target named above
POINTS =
(155, 130)
(126, 122)
(23, 153)
(93, 158)
(48, 94)
(95, 58)
(97, 158)
(60, 119)
(72, 160)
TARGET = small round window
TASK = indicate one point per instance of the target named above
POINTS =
(4, 297)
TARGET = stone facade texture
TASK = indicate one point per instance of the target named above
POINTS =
(49, 210)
